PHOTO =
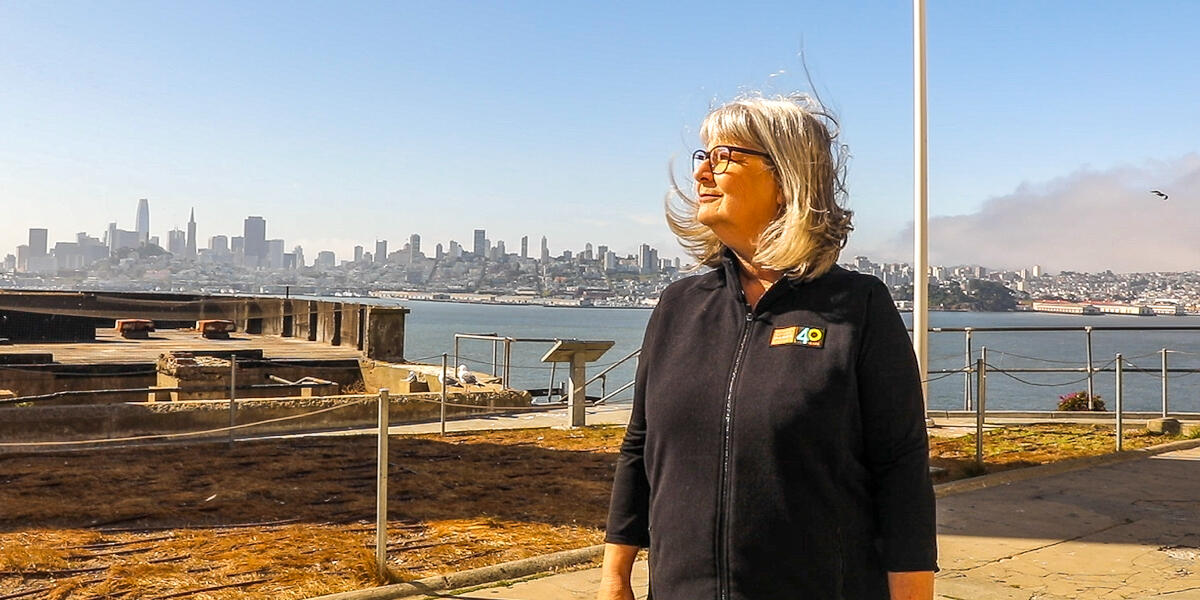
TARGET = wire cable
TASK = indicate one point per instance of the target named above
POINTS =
(165, 436)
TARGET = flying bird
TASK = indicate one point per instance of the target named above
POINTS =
(1159, 194)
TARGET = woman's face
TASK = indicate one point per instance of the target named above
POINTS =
(740, 202)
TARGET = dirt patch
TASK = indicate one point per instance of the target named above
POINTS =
(293, 518)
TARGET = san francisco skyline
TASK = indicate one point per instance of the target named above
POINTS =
(353, 122)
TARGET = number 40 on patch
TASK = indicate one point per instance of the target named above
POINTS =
(813, 337)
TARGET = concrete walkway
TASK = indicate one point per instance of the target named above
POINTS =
(1128, 530)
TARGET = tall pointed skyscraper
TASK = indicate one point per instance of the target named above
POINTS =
(191, 234)
(143, 221)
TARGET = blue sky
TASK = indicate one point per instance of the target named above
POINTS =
(346, 122)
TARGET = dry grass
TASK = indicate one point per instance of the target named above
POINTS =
(161, 521)
(1031, 445)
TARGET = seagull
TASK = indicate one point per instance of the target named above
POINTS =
(1159, 194)
(466, 376)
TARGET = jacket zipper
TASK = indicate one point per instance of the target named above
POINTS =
(722, 549)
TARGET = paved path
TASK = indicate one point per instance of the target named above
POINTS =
(1129, 530)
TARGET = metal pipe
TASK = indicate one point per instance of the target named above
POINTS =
(443, 418)
(550, 388)
(507, 362)
(920, 314)
(1165, 406)
(494, 353)
(381, 480)
(232, 396)
(1119, 394)
(967, 374)
(980, 408)
(633, 354)
(1090, 387)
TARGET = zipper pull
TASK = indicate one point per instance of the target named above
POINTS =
(749, 316)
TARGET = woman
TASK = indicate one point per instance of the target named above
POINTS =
(777, 445)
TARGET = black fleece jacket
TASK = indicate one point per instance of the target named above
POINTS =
(778, 453)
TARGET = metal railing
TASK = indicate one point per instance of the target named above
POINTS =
(1088, 367)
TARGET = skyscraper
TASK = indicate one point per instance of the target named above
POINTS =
(37, 242)
(255, 242)
(545, 250)
(381, 251)
(143, 221)
(480, 249)
(191, 235)
(358, 253)
(414, 248)
(275, 254)
(524, 246)
(176, 242)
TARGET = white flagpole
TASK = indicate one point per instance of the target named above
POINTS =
(920, 318)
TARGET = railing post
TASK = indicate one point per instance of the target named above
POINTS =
(1119, 395)
(495, 351)
(980, 407)
(550, 388)
(443, 394)
(507, 362)
(381, 477)
(1091, 393)
(967, 375)
(603, 385)
(232, 395)
(456, 353)
(1165, 407)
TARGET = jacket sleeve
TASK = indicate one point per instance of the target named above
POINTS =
(894, 437)
(629, 509)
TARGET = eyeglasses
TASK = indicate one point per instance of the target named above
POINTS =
(720, 157)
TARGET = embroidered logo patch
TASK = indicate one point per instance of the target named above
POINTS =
(813, 337)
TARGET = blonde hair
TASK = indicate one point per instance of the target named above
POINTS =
(809, 166)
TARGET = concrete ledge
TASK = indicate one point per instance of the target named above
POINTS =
(1004, 478)
(474, 577)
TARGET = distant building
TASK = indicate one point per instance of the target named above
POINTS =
(275, 254)
(298, 252)
(481, 246)
(254, 250)
(142, 226)
(176, 242)
(380, 251)
(545, 256)
(190, 250)
(120, 239)
(524, 246)
(358, 253)
(237, 245)
(326, 259)
(218, 243)
(414, 248)
(1064, 307)
(647, 259)
(37, 242)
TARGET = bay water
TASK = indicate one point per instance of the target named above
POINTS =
(431, 326)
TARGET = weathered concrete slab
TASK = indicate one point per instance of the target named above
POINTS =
(112, 348)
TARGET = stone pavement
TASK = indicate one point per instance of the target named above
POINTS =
(1126, 530)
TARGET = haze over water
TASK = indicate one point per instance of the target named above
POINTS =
(431, 327)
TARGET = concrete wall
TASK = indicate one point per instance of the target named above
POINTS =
(63, 423)
(32, 380)
(384, 335)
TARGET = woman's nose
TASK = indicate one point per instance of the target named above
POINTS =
(703, 172)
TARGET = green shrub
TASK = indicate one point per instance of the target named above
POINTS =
(1079, 401)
